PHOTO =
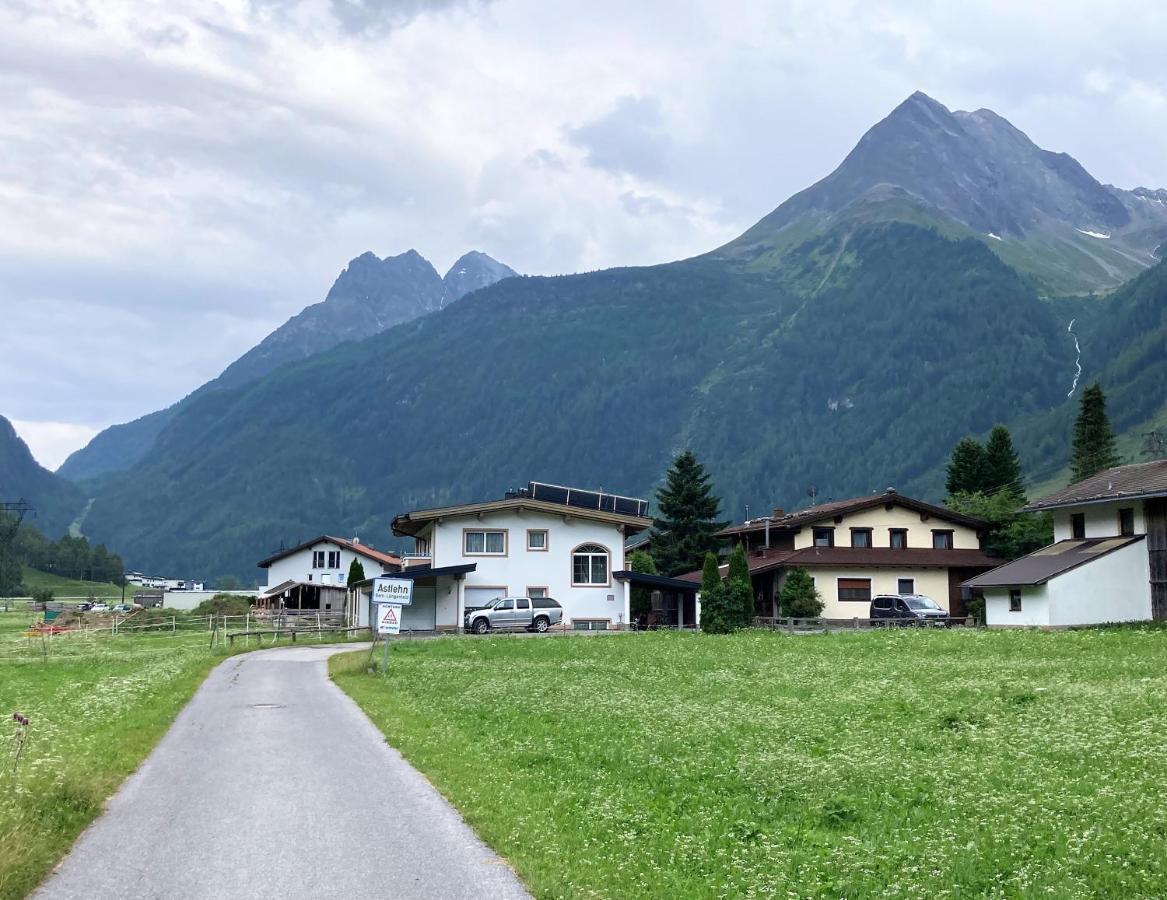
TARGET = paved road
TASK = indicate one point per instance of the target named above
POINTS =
(272, 783)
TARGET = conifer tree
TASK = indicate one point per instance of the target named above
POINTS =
(688, 517)
(1002, 465)
(799, 597)
(966, 467)
(715, 614)
(739, 577)
(710, 573)
(1093, 449)
(641, 600)
(356, 571)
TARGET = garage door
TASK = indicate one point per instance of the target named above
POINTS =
(422, 614)
(480, 596)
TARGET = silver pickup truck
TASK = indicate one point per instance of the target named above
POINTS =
(531, 613)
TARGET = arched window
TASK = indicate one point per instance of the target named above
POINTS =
(589, 565)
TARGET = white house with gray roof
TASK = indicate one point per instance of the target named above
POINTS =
(1108, 562)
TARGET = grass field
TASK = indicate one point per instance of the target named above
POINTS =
(69, 587)
(897, 763)
(97, 706)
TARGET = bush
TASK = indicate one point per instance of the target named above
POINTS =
(42, 595)
(224, 605)
(799, 598)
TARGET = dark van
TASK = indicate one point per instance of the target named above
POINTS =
(906, 609)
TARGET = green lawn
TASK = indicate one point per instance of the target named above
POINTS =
(69, 587)
(894, 763)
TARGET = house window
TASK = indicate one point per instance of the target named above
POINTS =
(1126, 521)
(860, 537)
(534, 592)
(589, 624)
(484, 543)
(1015, 600)
(318, 557)
(824, 537)
(589, 565)
(906, 586)
(941, 540)
(897, 538)
(536, 539)
(857, 589)
(1078, 526)
(334, 559)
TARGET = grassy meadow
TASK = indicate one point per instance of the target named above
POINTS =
(97, 705)
(35, 580)
(897, 763)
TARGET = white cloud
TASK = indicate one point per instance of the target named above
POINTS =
(178, 178)
(51, 442)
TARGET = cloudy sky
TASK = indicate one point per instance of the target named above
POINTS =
(178, 178)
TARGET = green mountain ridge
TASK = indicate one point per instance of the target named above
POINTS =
(56, 500)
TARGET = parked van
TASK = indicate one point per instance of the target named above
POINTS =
(906, 609)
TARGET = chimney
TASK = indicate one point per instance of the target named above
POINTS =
(778, 513)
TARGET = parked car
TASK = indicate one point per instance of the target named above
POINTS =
(85, 607)
(124, 608)
(100, 607)
(531, 613)
(906, 609)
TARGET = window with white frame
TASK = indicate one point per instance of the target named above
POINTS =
(484, 543)
(536, 539)
(334, 559)
(589, 565)
(318, 557)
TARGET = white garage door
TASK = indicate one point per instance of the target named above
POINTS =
(422, 614)
(480, 596)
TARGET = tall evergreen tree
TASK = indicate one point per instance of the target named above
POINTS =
(356, 571)
(710, 573)
(1093, 449)
(1002, 465)
(688, 517)
(966, 467)
(641, 600)
(739, 574)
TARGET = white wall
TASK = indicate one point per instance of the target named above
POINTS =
(521, 569)
(298, 566)
(185, 600)
(1035, 608)
(1101, 519)
(932, 583)
(1112, 588)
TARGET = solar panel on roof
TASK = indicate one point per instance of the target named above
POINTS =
(584, 499)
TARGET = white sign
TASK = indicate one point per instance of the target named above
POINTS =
(393, 590)
(388, 618)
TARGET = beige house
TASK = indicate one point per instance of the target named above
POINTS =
(856, 549)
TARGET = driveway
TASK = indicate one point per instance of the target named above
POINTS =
(272, 783)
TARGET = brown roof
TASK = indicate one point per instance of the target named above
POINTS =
(842, 507)
(356, 547)
(411, 523)
(867, 557)
(1042, 565)
(1147, 479)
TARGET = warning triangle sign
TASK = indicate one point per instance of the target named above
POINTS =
(390, 617)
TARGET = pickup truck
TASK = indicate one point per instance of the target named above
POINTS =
(531, 613)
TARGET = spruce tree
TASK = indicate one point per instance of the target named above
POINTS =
(356, 571)
(1093, 449)
(710, 573)
(688, 517)
(967, 467)
(739, 575)
(1002, 465)
(799, 597)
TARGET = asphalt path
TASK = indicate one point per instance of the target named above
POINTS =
(273, 783)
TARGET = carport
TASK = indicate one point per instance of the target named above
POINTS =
(675, 601)
(437, 598)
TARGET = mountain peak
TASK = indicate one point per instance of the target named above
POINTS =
(471, 272)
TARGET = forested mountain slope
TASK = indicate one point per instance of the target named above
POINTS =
(369, 295)
(596, 380)
(57, 501)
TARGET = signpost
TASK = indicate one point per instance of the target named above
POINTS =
(388, 598)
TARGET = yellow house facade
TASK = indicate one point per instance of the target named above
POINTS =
(861, 548)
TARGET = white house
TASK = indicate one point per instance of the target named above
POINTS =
(546, 540)
(1108, 562)
(313, 575)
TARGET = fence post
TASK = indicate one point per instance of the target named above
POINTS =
(855, 623)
